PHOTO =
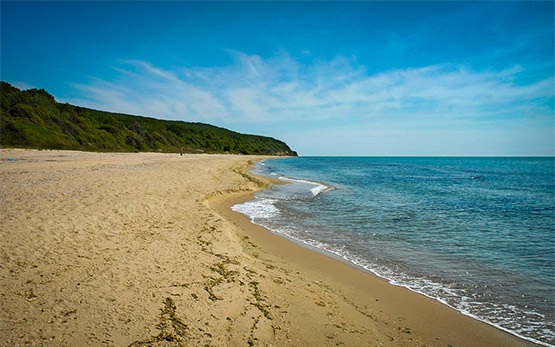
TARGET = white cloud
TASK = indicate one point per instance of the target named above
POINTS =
(338, 93)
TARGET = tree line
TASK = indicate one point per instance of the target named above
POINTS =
(33, 119)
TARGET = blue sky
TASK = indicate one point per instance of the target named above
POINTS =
(329, 78)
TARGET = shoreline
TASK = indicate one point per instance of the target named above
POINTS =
(142, 249)
(441, 323)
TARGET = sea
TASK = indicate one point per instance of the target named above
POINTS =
(477, 234)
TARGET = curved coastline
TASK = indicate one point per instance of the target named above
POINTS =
(338, 256)
(292, 228)
(143, 249)
(463, 326)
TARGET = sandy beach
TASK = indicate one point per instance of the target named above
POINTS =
(112, 249)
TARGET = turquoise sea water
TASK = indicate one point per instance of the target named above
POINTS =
(477, 234)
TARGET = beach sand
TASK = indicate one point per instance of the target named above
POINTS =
(143, 250)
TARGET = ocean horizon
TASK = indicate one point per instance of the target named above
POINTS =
(475, 233)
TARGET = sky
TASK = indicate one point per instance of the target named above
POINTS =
(397, 78)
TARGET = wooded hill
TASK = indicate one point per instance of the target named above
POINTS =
(33, 119)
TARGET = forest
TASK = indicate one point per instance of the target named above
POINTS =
(33, 119)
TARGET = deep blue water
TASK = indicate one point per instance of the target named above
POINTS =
(477, 234)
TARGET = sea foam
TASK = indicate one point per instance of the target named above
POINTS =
(425, 224)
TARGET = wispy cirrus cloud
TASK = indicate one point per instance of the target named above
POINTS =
(337, 93)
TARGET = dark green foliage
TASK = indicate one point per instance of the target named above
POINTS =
(33, 119)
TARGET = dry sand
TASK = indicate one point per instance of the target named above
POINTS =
(143, 250)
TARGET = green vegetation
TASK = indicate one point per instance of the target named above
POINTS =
(33, 119)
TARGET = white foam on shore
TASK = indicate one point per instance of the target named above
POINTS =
(264, 212)
(318, 186)
(257, 208)
(452, 297)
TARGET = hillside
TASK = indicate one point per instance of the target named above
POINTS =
(33, 119)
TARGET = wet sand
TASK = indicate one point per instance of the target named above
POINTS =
(144, 250)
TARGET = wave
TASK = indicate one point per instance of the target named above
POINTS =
(264, 206)
(277, 209)
(257, 208)
(501, 316)
(318, 186)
